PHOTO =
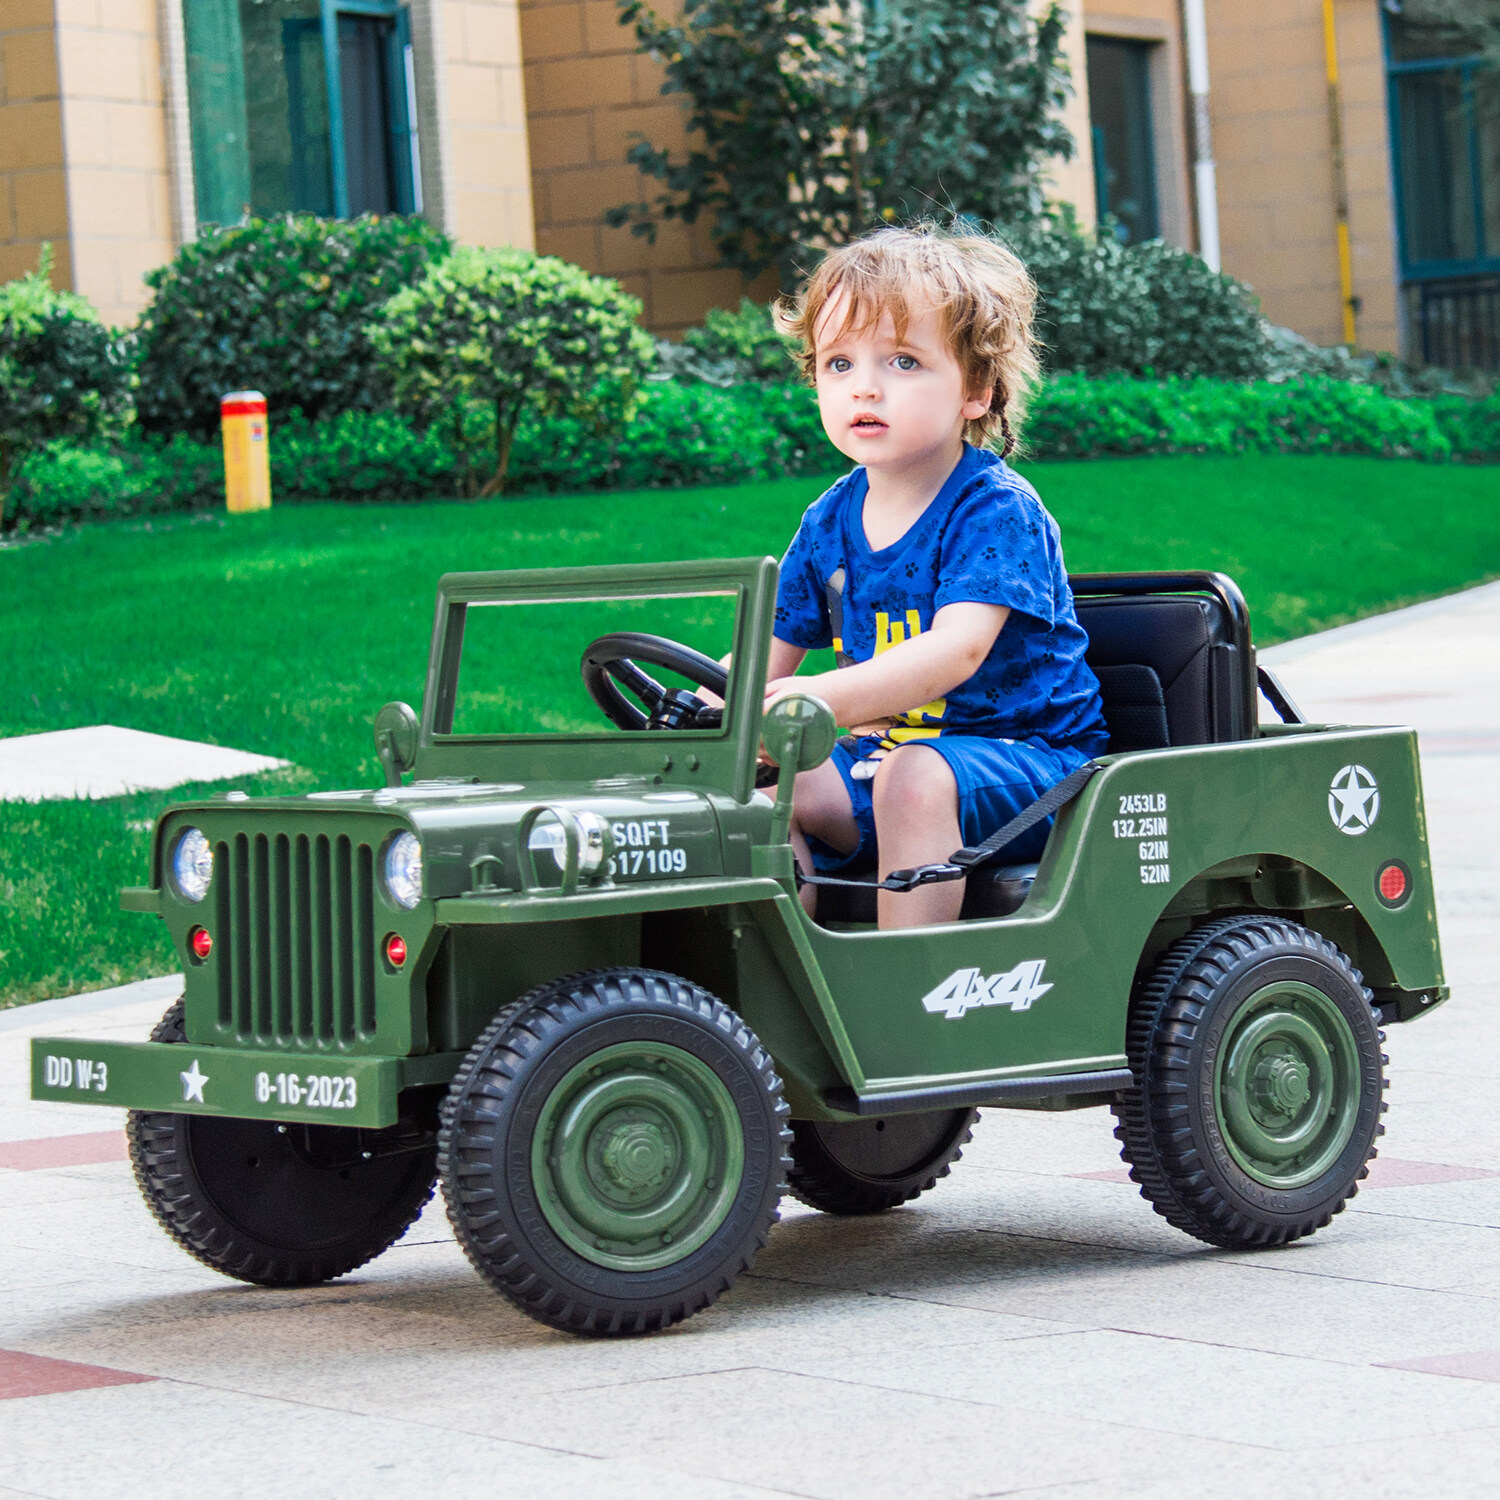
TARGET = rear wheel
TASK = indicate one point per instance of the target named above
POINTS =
(868, 1166)
(1259, 1081)
(613, 1151)
(278, 1204)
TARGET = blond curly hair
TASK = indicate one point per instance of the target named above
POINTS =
(984, 295)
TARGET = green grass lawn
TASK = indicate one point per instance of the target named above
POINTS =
(284, 632)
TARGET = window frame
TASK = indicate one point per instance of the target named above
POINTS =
(1486, 261)
(400, 124)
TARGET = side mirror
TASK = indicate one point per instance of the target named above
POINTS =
(396, 740)
(799, 732)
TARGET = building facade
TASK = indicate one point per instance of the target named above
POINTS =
(1345, 166)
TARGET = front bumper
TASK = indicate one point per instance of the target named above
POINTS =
(255, 1084)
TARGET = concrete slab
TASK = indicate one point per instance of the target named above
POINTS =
(104, 760)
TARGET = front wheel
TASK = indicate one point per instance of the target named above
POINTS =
(274, 1204)
(613, 1151)
(1259, 1081)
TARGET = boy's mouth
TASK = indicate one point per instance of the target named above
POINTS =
(867, 422)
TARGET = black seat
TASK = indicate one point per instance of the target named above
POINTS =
(1175, 666)
(1173, 657)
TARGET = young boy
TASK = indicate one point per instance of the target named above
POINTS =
(933, 570)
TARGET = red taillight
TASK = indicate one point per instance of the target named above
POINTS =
(395, 950)
(201, 942)
(1392, 883)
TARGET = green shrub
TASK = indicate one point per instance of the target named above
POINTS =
(506, 332)
(62, 484)
(691, 434)
(1150, 309)
(1077, 417)
(275, 305)
(1473, 427)
(359, 455)
(63, 374)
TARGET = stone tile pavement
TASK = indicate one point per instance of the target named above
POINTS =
(1029, 1326)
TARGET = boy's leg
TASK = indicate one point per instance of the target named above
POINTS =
(822, 810)
(916, 816)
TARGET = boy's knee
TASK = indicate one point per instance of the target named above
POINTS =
(915, 779)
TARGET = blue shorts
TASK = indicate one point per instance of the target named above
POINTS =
(996, 780)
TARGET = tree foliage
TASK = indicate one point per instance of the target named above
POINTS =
(275, 305)
(63, 373)
(489, 334)
(820, 118)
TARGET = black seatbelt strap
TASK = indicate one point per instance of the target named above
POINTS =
(962, 861)
(833, 592)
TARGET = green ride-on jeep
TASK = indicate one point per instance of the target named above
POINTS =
(558, 962)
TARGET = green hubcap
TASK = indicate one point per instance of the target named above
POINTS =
(1287, 1085)
(637, 1156)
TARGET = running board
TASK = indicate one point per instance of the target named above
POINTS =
(967, 1095)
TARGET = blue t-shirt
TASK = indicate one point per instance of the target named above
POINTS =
(986, 539)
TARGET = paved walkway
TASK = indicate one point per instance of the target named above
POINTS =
(1031, 1325)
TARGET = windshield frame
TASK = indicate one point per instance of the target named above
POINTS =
(723, 758)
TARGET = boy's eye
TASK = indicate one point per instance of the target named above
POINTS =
(839, 365)
(905, 362)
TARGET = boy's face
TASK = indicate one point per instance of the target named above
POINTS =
(888, 403)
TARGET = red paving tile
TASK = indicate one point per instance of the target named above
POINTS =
(63, 1151)
(1481, 1364)
(1385, 1172)
(36, 1375)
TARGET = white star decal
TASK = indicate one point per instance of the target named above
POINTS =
(192, 1084)
(1353, 800)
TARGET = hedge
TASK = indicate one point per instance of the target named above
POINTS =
(688, 434)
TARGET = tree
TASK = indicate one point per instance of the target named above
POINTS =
(820, 118)
(487, 333)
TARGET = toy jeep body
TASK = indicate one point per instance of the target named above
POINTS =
(598, 1012)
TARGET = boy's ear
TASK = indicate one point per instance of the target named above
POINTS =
(978, 404)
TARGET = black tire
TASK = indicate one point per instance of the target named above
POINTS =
(869, 1166)
(278, 1205)
(1220, 1160)
(525, 1166)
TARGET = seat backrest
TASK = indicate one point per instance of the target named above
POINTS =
(1174, 667)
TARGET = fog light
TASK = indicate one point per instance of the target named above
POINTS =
(395, 950)
(1393, 883)
(201, 942)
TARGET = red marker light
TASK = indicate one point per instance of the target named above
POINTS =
(1393, 883)
(395, 950)
(201, 942)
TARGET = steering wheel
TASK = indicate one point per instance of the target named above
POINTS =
(612, 662)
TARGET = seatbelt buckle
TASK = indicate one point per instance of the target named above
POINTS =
(909, 880)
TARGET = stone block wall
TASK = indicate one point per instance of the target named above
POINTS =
(33, 184)
(1275, 166)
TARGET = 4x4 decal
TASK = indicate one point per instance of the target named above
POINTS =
(964, 989)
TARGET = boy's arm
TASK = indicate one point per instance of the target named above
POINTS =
(785, 659)
(928, 666)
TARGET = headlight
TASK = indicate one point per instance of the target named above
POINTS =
(549, 835)
(192, 865)
(403, 870)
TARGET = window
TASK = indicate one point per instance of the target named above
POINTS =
(1445, 140)
(301, 105)
(1445, 151)
(1119, 74)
